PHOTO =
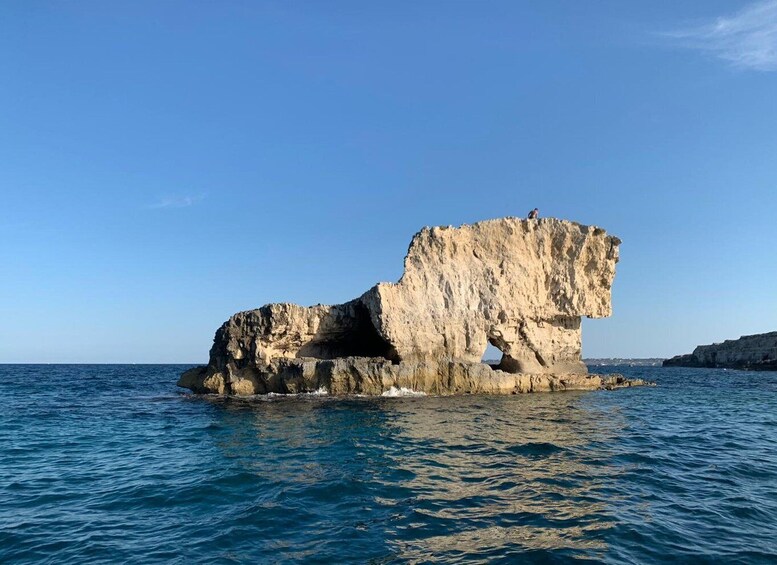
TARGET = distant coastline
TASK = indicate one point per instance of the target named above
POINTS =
(637, 362)
(757, 352)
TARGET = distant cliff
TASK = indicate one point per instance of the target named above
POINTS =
(521, 285)
(751, 352)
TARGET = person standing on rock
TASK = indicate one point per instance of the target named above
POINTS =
(534, 214)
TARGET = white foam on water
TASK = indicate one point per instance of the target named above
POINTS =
(402, 391)
(322, 391)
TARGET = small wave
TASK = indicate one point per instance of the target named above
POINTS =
(321, 391)
(402, 391)
(537, 448)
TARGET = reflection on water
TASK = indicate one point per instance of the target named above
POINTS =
(495, 467)
(440, 476)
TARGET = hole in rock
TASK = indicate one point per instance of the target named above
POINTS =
(497, 359)
(492, 356)
(348, 334)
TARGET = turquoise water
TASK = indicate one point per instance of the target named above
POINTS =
(115, 464)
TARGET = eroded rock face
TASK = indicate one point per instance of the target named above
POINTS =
(521, 285)
(751, 352)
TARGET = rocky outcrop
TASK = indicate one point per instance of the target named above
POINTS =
(521, 285)
(750, 352)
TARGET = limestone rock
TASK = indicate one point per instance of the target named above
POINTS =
(521, 285)
(751, 352)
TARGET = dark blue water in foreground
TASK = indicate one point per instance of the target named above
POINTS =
(115, 464)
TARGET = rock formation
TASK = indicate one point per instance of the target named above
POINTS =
(750, 352)
(521, 285)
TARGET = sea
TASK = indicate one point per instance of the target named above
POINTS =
(115, 464)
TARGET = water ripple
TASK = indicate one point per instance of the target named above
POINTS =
(110, 464)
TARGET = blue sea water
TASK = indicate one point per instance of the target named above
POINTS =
(114, 464)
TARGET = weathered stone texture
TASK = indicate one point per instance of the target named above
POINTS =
(521, 285)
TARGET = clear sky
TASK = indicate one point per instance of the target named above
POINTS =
(166, 164)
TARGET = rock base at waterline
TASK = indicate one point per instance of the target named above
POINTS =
(370, 376)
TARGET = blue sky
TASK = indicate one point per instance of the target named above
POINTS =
(166, 164)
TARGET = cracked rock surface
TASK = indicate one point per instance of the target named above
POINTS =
(521, 285)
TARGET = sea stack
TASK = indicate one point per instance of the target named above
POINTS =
(521, 285)
(750, 352)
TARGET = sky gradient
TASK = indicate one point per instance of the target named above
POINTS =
(166, 164)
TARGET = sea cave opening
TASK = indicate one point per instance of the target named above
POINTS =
(492, 356)
(495, 357)
(349, 336)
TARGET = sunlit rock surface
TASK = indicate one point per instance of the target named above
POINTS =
(521, 285)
